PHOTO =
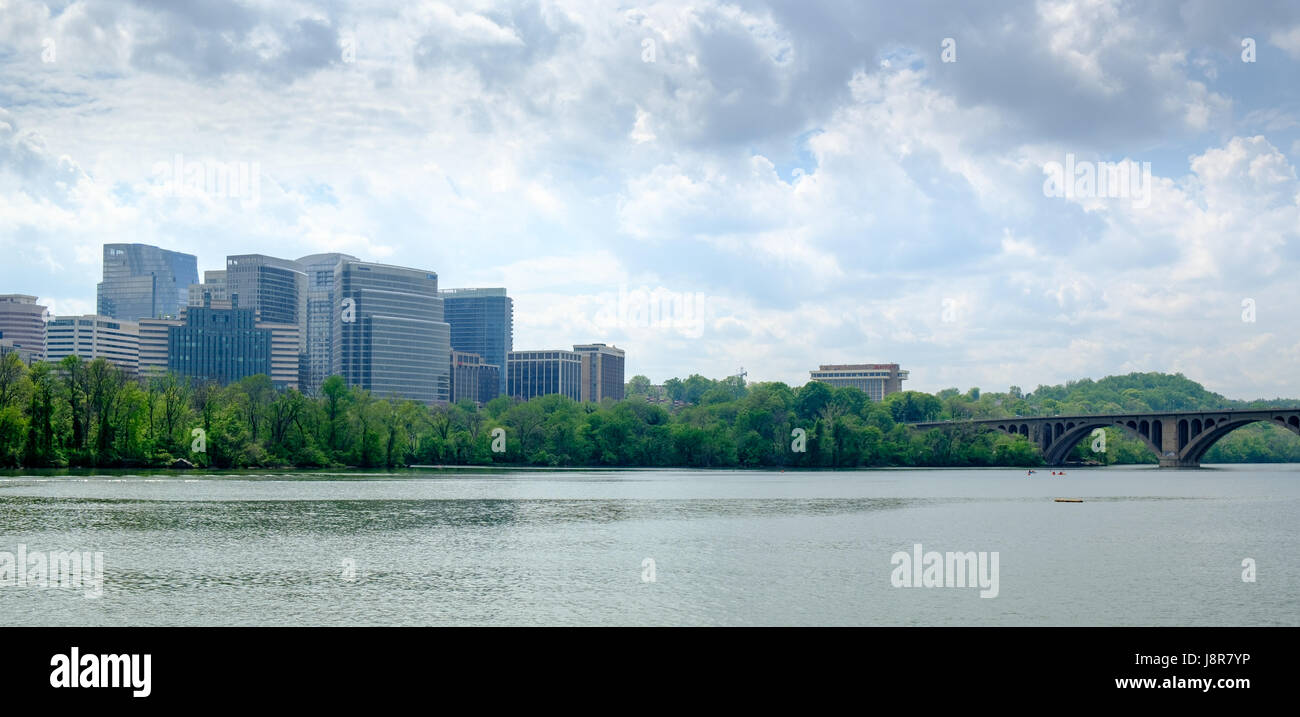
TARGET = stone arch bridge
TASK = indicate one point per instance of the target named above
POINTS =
(1178, 438)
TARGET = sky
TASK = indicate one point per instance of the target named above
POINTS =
(710, 186)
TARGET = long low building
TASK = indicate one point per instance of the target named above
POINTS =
(92, 336)
(877, 380)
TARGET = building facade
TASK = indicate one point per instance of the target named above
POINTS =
(153, 345)
(540, 373)
(322, 302)
(877, 380)
(482, 322)
(22, 323)
(25, 355)
(145, 282)
(212, 289)
(275, 289)
(285, 359)
(221, 345)
(389, 333)
(473, 379)
(91, 337)
(601, 375)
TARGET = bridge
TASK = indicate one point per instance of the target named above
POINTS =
(1178, 438)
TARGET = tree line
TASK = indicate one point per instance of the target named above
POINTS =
(76, 413)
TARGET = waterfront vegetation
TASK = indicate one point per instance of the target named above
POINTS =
(77, 413)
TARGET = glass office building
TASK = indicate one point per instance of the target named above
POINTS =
(275, 289)
(145, 282)
(540, 373)
(221, 345)
(389, 333)
(482, 322)
(321, 303)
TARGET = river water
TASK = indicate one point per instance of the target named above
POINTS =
(658, 547)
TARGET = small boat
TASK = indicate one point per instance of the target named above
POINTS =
(1069, 500)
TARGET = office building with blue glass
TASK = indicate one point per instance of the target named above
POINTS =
(389, 334)
(482, 322)
(221, 345)
(145, 282)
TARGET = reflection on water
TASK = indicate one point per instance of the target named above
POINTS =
(730, 547)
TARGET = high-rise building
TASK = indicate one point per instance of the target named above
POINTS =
(22, 322)
(482, 322)
(389, 333)
(91, 337)
(877, 380)
(275, 289)
(213, 288)
(602, 372)
(221, 345)
(540, 373)
(145, 282)
(153, 345)
(322, 302)
(473, 379)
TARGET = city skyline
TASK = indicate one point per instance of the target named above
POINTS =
(805, 193)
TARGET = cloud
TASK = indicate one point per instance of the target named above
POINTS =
(834, 190)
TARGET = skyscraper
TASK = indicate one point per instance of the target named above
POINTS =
(482, 322)
(145, 282)
(389, 333)
(275, 289)
(320, 270)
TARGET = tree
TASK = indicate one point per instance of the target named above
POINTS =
(638, 386)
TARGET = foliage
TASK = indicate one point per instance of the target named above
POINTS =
(78, 413)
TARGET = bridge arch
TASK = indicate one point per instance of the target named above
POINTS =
(1059, 449)
(1198, 444)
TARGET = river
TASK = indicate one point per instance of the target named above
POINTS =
(658, 547)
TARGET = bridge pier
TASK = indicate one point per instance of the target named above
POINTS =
(1171, 452)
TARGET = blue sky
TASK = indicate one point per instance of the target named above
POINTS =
(707, 185)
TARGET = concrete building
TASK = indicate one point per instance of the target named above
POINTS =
(285, 366)
(877, 380)
(221, 345)
(25, 355)
(482, 322)
(322, 302)
(22, 323)
(153, 345)
(601, 375)
(389, 333)
(473, 379)
(145, 282)
(212, 289)
(540, 373)
(92, 336)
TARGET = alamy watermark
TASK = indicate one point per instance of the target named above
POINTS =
(1083, 179)
(61, 569)
(658, 308)
(920, 569)
(212, 180)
